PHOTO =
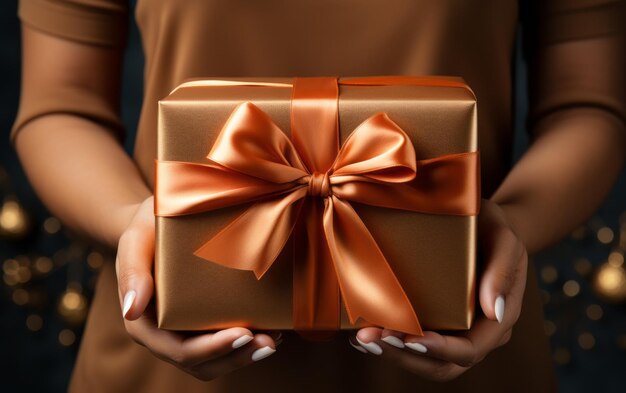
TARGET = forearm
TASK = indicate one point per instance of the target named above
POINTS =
(82, 175)
(564, 176)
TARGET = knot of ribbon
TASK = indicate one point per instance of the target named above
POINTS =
(319, 185)
(303, 187)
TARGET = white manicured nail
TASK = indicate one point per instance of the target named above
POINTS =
(417, 347)
(129, 298)
(499, 308)
(262, 353)
(243, 340)
(393, 340)
(357, 347)
(371, 347)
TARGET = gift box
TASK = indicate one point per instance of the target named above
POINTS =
(317, 204)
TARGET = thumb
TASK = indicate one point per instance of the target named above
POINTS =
(503, 256)
(135, 258)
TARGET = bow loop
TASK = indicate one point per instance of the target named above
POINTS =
(252, 144)
(377, 150)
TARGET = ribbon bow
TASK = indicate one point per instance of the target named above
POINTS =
(309, 181)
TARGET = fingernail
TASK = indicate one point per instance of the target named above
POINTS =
(371, 347)
(243, 340)
(499, 308)
(262, 353)
(393, 340)
(421, 348)
(357, 347)
(129, 298)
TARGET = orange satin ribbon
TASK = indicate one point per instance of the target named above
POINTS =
(303, 187)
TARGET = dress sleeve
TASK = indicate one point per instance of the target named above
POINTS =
(102, 23)
(576, 53)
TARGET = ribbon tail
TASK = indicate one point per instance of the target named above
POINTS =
(316, 301)
(255, 239)
(368, 285)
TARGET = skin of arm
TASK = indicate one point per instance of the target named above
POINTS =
(83, 175)
(76, 166)
(563, 178)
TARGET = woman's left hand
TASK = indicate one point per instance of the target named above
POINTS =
(441, 357)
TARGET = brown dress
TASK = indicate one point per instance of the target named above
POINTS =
(576, 45)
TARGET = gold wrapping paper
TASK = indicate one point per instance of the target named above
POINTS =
(433, 256)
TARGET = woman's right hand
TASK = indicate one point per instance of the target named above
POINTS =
(205, 356)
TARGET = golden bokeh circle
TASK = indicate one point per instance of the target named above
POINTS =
(609, 283)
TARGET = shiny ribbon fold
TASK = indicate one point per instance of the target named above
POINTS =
(303, 187)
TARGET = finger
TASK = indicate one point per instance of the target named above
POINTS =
(456, 349)
(426, 367)
(368, 338)
(463, 350)
(356, 345)
(373, 334)
(507, 306)
(261, 347)
(190, 351)
(504, 256)
(134, 263)
(393, 337)
(205, 347)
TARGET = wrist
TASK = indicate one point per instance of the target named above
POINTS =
(513, 214)
(120, 219)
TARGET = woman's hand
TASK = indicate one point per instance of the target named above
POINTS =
(205, 356)
(441, 357)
